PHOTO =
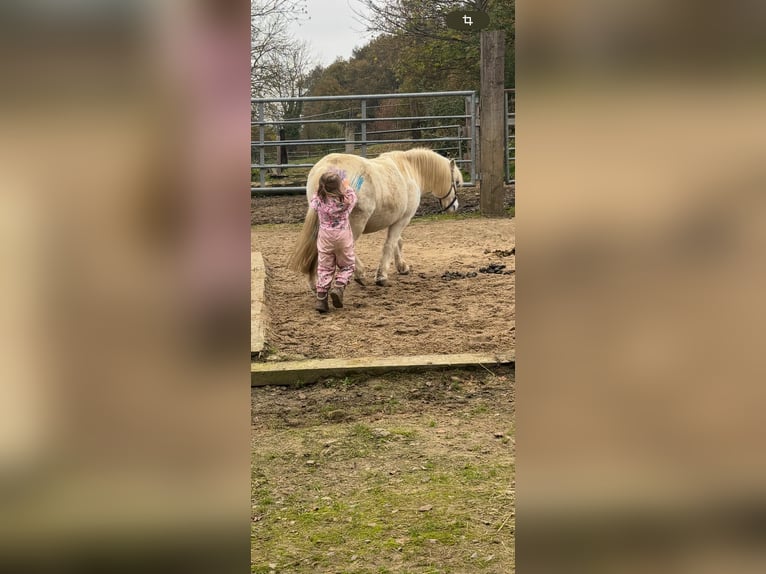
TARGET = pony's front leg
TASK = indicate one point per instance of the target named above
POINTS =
(401, 264)
(359, 271)
(389, 251)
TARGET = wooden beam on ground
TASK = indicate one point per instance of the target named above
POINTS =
(257, 307)
(492, 132)
(310, 371)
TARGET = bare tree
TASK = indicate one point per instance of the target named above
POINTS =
(269, 36)
(291, 67)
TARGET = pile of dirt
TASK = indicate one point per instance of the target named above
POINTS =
(450, 275)
(497, 269)
(502, 252)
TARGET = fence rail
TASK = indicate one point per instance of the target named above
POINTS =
(453, 133)
(510, 136)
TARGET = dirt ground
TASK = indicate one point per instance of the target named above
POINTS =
(404, 473)
(445, 305)
(292, 208)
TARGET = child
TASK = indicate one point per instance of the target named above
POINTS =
(333, 202)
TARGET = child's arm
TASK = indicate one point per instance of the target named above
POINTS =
(350, 198)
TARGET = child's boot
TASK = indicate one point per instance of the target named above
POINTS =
(321, 304)
(336, 294)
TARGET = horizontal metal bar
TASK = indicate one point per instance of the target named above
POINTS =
(277, 190)
(410, 129)
(362, 97)
(353, 120)
(269, 143)
(289, 165)
(277, 143)
(289, 190)
(409, 140)
(275, 165)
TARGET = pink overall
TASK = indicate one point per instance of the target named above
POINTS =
(335, 241)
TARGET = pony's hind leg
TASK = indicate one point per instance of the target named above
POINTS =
(357, 227)
(401, 264)
(390, 249)
(312, 281)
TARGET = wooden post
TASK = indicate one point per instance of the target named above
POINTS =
(281, 151)
(349, 137)
(492, 122)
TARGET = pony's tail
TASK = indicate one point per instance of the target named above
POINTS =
(305, 256)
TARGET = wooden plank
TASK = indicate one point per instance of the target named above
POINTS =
(257, 303)
(309, 371)
(492, 133)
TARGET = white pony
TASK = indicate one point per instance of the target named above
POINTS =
(388, 190)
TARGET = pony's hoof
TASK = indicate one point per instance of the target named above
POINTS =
(405, 271)
(360, 281)
(381, 282)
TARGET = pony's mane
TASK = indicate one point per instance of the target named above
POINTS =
(433, 169)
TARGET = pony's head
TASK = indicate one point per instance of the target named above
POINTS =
(450, 202)
(434, 173)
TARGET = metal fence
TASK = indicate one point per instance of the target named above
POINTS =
(289, 134)
(510, 136)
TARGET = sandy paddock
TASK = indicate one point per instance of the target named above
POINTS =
(420, 313)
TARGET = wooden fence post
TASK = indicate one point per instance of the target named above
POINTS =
(492, 133)
(349, 135)
(282, 151)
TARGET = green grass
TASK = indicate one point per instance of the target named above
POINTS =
(426, 489)
(338, 383)
(325, 524)
(361, 523)
(479, 409)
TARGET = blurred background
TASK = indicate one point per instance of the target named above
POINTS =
(124, 329)
(641, 207)
(124, 414)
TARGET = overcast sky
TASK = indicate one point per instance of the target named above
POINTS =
(331, 30)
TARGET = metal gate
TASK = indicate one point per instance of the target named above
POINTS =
(288, 135)
(510, 136)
